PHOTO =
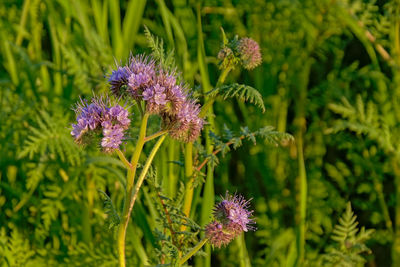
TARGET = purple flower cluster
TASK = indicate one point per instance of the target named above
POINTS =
(100, 118)
(232, 217)
(143, 80)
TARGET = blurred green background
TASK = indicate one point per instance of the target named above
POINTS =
(330, 77)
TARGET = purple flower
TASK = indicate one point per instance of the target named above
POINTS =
(101, 117)
(232, 217)
(234, 209)
(155, 97)
(88, 119)
(175, 92)
(142, 74)
(118, 79)
(120, 114)
(249, 52)
(112, 138)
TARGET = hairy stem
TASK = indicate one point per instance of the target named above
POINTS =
(129, 187)
(193, 251)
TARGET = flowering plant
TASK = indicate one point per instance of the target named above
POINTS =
(157, 89)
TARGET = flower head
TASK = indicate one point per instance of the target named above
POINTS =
(100, 117)
(232, 217)
(162, 94)
(249, 52)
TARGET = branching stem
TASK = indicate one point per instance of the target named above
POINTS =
(145, 170)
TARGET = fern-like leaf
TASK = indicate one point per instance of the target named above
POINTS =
(242, 92)
(351, 242)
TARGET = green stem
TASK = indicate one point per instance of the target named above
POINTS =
(243, 254)
(129, 187)
(211, 100)
(155, 135)
(189, 175)
(193, 251)
(145, 170)
(301, 180)
(189, 152)
(302, 187)
(22, 22)
(123, 159)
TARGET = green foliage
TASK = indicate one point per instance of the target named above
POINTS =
(50, 138)
(365, 120)
(350, 240)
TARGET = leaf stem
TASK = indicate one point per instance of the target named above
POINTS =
(193, 251)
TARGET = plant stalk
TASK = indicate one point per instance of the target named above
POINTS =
(129, 187)
(145, 170)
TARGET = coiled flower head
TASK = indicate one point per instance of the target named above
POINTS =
(100, 118)
(249, 52)
(232, 217)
